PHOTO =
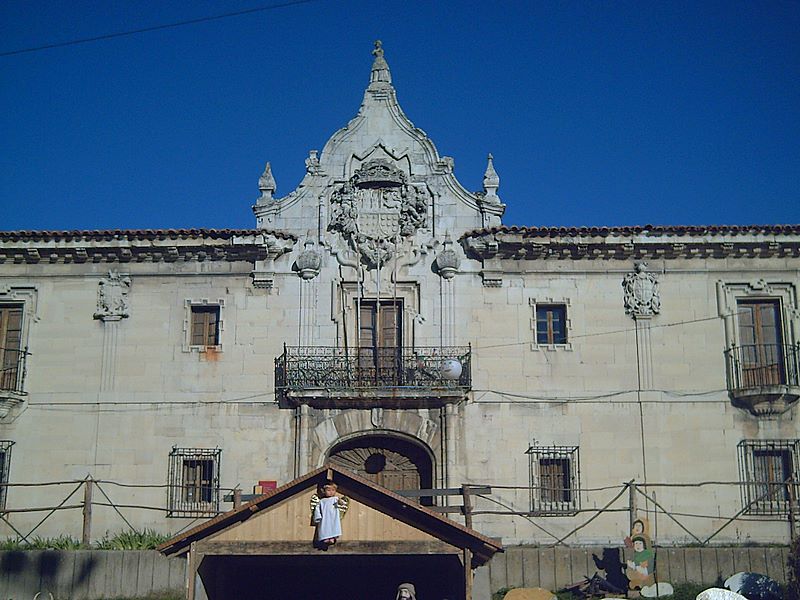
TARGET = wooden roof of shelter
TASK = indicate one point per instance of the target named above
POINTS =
(377, 522)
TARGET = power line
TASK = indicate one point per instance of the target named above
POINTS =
(600, 333)
(130, 32)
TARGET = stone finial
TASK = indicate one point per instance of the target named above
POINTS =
(380, 68)
(448, 261)
(312, 163)
(266, 184)
(310, 260)
(491, 182)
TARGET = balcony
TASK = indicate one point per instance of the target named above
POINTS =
(330, 377)
(763, 378)
(12, 379)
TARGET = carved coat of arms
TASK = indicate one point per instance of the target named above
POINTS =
(375, 209)
(642, 297)
(112, 297)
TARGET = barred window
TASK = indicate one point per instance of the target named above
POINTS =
(768, 470)
(5, 464)
(193, 482)
(554, 480)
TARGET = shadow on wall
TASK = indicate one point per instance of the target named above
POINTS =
(48, 566)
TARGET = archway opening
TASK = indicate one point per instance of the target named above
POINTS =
(395, 463)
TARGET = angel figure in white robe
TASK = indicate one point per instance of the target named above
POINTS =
(327, 513)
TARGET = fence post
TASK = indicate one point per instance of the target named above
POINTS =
(467, 505)
(631, 503)
(792, 515)
(237, 498)
(86, 538)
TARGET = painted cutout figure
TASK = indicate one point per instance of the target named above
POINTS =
(406, 591)
(641, 569)
(327, 510)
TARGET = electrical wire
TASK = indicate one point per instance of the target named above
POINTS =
(601, 333)
(130, 32)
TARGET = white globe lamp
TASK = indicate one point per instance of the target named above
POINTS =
(451, 369)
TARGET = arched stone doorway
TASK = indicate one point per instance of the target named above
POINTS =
(392, 462)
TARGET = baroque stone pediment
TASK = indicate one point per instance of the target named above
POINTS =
(376, 209)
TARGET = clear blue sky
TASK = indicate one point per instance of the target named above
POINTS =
(597, 113)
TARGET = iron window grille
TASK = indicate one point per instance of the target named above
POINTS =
(5, 466)
(769, 476)
(193, 489)
(554, 473)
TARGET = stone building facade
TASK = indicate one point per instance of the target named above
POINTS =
(381, 317)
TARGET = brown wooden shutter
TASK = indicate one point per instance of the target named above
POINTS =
(10, 345)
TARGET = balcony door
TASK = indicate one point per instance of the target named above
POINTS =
(380, 335)
(761, 342)
(10, 345)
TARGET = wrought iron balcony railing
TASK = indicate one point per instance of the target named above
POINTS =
(764, 377)
(12, 370)
(335, 370)
(759, 365)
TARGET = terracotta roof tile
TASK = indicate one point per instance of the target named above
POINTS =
(628, 230)
(134, 234)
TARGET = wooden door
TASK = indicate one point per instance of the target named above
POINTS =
(379, 341)
(10, 345)
(381, 465)
(760, 342)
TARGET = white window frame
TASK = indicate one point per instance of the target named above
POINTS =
(27, 297)
(187, 324)
(565, 302)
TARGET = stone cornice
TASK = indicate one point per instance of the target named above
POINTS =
(518, 247)
(638, 230)
(108, 235)
(151, 245)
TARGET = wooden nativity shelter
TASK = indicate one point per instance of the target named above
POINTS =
(265, 547)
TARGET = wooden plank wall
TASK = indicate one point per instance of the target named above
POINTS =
(96, 574)
(89, 574)
(553, 568)
(291, 521)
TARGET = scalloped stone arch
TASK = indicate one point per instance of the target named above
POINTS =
(350, 424)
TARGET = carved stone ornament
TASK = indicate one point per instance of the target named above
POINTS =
(309, 261)
(642, 297)
(112, 297)
(375, 209)
(448, 261)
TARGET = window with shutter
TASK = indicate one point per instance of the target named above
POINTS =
(10, 346)
(205, 325)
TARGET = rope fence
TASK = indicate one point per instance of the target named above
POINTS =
(780, 497)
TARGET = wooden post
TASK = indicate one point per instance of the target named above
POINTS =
(467, 557)
(631, 503)
(237, 498)
(792, 515)
(467, 505)
(86, 538)
(191, 571)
